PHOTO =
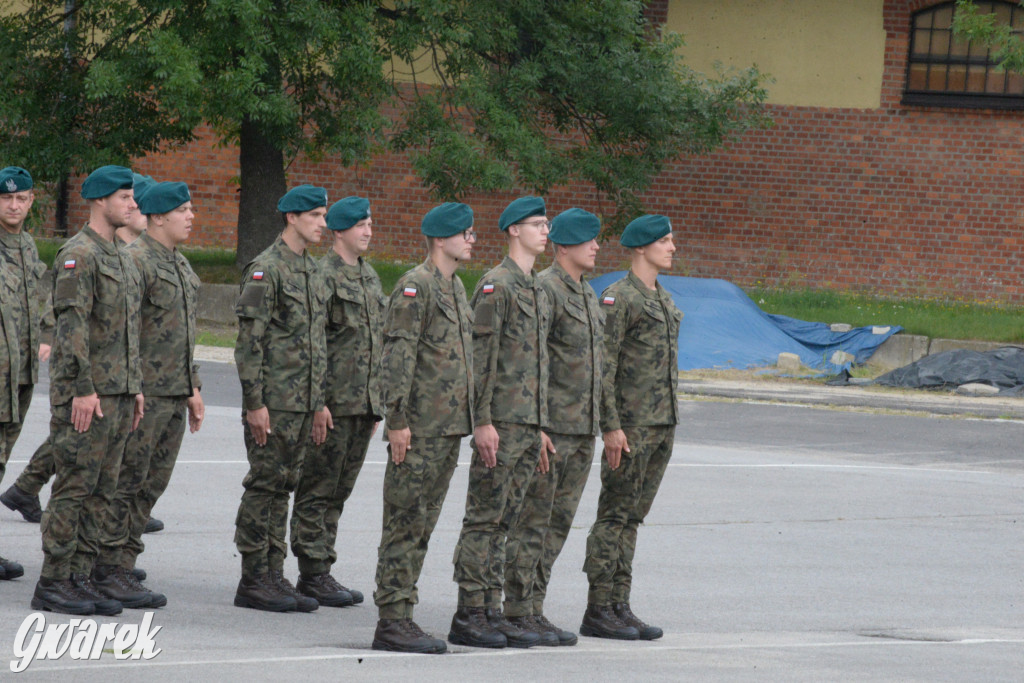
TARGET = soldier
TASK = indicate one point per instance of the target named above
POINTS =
(282, 360)
(510, 364)
(574, 393)
(170, 379)
(25, 325)
(638, 418)
(355, 315)
(427, 375)
(95, 394)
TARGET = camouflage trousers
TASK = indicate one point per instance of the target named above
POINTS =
(262, 521)
(626, 497)
(538, 535)
(413, 495)
(79, 511)
(494, 500)
(328, 476)
(10, 431)
(149, 458)
(39, 470)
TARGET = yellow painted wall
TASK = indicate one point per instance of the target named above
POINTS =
(822, 53)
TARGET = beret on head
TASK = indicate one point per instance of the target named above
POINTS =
(163, 197)
(14, 179)
(302, 198)
(347, 212)
(521, 208)
(644, 230)
(142, 183)
(106, 180)
(446, 220)
(574, 226)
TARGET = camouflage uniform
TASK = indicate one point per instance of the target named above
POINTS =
(355, 315)
(638, 396)
(427, 375)
(281, 359)
(95, 350)
(38, 471)
(10, 361)
(169, 376)
(29, 326)
(511, 317)
(574, 346)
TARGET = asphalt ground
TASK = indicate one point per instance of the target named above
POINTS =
(787, 542)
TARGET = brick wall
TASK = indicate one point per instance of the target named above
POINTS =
(910, 200)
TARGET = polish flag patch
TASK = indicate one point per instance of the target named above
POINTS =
(69, 265)
(608, 300)
(258, 275)
(409, 291)
(488, 289)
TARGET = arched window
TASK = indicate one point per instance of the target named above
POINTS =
(943, 70)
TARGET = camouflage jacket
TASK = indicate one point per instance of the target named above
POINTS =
(511, 315)
(167, 339)
(575, 347)
(355, 316)
(10, 355)
(96, 304)
(281, 352)
(427, 363)
(641, 340)
(33, 319)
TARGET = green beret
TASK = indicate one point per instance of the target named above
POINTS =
(574, 226)
(644, 230)
(302, 198)
(347, 212)
(521, 208)
(142, 183)
(15, 179)
(446, 220)
(105, 181)
(163, 197)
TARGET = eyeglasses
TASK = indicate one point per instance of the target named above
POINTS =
(536, 224)
(469, 235)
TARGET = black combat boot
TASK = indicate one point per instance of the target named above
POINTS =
(260, 592)
(600, 621)
(564, 637)
(155, 599)
(303, 603)
(325, 590)
(403, 635)
(104, 606)
(112, 581)
(471, 627)
(61, 596)
(9, 569)
(26, 504)
(153, 525)
(623, 612)
(514, 636)
(139, 573)
(528, 623)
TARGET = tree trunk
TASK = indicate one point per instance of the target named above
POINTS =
(61, 207)
(263, 183)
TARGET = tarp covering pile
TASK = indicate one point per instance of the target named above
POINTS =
(723, 328)
(1002, 368)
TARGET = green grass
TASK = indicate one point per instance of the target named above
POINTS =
(928, 317)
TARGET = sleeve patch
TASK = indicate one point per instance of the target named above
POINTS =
(608, 300)
(488, 289)
(258, 275)
(67, 289)
(409, 291)
(252, 295)
(69, 264)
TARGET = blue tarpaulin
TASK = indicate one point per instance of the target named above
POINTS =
(723, 328)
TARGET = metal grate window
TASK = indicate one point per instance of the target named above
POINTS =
(947, 71)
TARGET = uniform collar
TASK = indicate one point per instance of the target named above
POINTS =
(525, 279)
(154, 244)
(295, 261)
(567, 279)
(108, 247)
(639, 284)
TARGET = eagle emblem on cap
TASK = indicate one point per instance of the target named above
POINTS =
(11, 185)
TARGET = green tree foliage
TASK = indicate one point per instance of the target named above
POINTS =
(977, 22)
(481, 94)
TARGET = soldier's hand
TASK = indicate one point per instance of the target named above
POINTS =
(82, 410)
(614, 445)
(44, 352)
(485, 438)
(399, 440)
(196, 411)
(375, 425)
(259, 424)
(546, 446)
(140, 410)
(321, 423)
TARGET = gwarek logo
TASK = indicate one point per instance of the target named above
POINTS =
(82, 639)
